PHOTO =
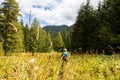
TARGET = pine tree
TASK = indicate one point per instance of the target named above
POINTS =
(43, 41)
(2, 19)
(105, 34)
(64, 36)
(49, 42)
(34, 35)
(85, 30)
(115, 24)
(26, 38)
(39, 40)
(12, 29)
(33, 40)
(69, 41)
(115, 12)
(58, 43)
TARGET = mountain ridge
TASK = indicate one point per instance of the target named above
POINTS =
(57, 28)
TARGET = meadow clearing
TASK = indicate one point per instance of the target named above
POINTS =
(49, 66)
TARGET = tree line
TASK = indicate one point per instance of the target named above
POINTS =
(94, 30)
(97, 29)
(17, 37)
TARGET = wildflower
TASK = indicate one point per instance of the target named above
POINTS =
(36, 68)
(32, 60)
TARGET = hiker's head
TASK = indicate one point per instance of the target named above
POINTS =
(65, 50)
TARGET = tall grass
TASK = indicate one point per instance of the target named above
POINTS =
(48, 67)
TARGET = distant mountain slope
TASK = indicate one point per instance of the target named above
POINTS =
(54, 29)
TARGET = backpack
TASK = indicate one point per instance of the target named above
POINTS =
(65, 54)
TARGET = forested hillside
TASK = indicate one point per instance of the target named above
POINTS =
(55, 29)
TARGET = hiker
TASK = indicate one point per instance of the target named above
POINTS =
(64, 55)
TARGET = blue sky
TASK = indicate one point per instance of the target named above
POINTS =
(52, 12)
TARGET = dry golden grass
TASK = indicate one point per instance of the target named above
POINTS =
(48, 66)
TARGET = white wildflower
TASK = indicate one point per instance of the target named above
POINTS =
(36, 68)
(32, 60)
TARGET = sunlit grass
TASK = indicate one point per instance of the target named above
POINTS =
(46, 66)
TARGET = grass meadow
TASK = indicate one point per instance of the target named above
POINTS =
(49, 66)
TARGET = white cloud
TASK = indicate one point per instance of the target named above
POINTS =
(62, 11)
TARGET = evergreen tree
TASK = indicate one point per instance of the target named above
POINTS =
(115, 24)
(33, 40)
(11, 29)
(49, 42)
(98, 29)
(85, 30)
(26, 38)
(59, 44)
(64, 36)
(43, 46)
(69, 41)
(39, 40)
(2, 19)
(105, 34)
(46, 44)
(66, 39)
(115, 12)
(34, 36)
